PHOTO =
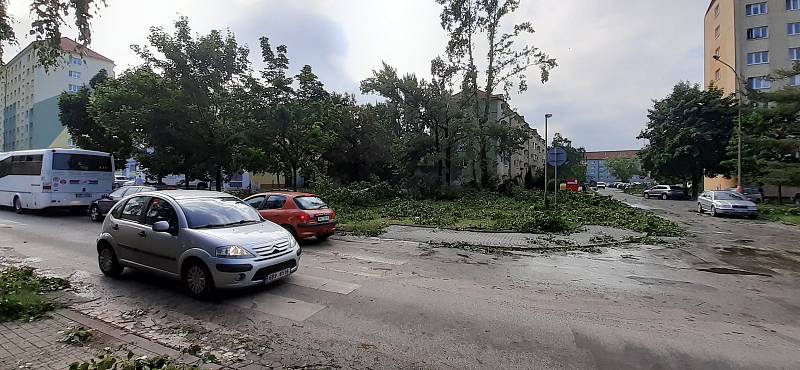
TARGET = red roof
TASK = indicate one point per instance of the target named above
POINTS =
(608, 154)
(70, 45)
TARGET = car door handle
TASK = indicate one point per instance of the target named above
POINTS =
(115, 227)
(142, 234)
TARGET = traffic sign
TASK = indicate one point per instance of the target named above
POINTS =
(556, 157)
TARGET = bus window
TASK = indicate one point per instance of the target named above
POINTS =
(81, 162)
(26, 165)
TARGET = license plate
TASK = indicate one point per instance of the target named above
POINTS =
(277, 275)
(323, 218)
(83, 195)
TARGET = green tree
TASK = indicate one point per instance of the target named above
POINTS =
(49, 18)
(688, 132)
(575, 168)
(206, 70)
(359, 152)
(75, 115)
(624, 168)
(474, 25)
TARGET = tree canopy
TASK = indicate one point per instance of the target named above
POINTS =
(687, 134)
(624, 168)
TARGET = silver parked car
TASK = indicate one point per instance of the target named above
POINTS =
(206, 239)
(726, 203)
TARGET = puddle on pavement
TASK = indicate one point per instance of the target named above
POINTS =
(758, 259)
(727, 271)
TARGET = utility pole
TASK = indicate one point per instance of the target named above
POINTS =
(739, 94)
(546, 147)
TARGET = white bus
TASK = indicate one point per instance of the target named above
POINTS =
(44, 178)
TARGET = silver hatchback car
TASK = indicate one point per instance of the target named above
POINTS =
(206, 239)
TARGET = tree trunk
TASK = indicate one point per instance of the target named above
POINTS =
(218, 178)
(448, 156)
(438, 148)
(294, 178)
(780, 194)
(695, 184)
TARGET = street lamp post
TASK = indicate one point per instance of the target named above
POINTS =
(739, 126)
(546, 146)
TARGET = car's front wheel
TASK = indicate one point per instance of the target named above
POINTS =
(198, 280)
(107, 260)
(713, 211)
(18, 205)
(94, 213)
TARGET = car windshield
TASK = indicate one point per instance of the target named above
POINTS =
(310, 203)
(204, 213)
(728, 196)
(118, 192)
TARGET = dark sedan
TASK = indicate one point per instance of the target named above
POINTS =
(100, 207)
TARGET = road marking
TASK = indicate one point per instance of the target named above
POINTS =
(363, 274)
(328, 285)
(288, 308)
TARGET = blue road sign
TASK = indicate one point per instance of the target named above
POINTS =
(556, 157)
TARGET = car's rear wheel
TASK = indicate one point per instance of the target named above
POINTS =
(94, 213)
(323, 237)
(699, 208)
(198, 280)
(18, 205)
(107, 260)
(664, 196)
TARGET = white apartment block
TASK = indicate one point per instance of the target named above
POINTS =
(29, 118)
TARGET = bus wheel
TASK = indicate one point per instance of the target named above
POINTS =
(18, 205)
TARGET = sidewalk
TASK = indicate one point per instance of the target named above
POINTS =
(36, 345)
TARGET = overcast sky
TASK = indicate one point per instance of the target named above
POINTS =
(614, 55)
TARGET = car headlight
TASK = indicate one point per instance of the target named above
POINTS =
(233, 251)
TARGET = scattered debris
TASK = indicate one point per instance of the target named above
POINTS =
(728, 271)
(76, 335)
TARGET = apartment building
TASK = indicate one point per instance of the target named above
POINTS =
(597, 169)
(29, 118)
(506, 167)
(756, 38)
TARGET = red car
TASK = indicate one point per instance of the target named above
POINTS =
(303, 214)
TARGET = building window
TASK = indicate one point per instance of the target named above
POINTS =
(73, 88)
(716, 32)
(758, 83)
(792, 4)
(757, 33)
(75, 61)
(755, 9)
(716, 10)
(793, 28)
(75, 74)
(795, 80)
(717, 75)
(759, 57)
(794, 53)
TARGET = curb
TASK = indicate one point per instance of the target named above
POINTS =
(127, 338)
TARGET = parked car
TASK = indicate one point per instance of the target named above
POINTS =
(796, 199)
(726, 203)
(665, 192)
(100, 207)
(209, 240)
(751, 193)
(120, 181)
(601, 185)
(304, 215)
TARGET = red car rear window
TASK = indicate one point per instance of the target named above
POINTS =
(310, 203)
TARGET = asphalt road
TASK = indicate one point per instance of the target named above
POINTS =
(370, 303)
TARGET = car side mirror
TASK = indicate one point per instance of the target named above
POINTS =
(161, 226)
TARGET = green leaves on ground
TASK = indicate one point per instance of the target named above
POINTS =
(21, 294)
(112, 361)
(367, 208)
